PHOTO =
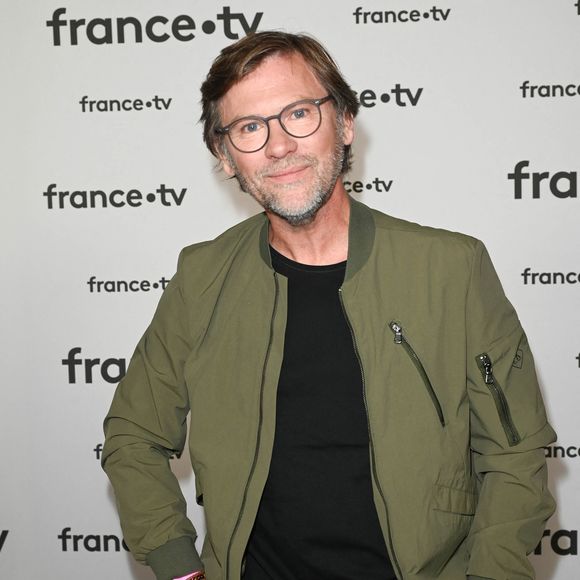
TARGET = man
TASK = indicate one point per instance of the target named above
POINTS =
(363, 399)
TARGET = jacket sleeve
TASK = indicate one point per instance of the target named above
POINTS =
(509, 429)
(145, 427)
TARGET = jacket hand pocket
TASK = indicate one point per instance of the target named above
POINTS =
(457, 501)
(447, 524)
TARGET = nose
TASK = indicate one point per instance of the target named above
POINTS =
(279, 143)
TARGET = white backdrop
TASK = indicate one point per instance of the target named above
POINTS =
(446, 118)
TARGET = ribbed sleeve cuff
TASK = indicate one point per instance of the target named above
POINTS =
(174, 559)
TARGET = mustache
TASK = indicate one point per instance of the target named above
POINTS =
(287, 162)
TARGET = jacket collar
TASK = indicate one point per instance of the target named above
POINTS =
(361, 237)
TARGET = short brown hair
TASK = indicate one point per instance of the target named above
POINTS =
(239, 59)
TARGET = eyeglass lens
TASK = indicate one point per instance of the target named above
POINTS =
(299, 119)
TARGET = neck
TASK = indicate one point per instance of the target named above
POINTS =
(322, 241)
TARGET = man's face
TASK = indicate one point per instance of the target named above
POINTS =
(290, 177)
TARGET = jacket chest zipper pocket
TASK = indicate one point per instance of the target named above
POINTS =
(486, 367)
(400, 339)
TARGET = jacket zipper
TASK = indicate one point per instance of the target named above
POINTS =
(486, 367)
(258, 435)
(400, 339)
(372, 447)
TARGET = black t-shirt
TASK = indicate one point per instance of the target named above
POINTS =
(317, 519)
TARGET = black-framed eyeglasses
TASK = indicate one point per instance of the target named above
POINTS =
(299, 119)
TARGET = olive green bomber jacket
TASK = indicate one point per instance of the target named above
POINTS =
(456, 421)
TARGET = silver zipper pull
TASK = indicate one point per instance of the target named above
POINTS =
(487, 369)
(398, 330)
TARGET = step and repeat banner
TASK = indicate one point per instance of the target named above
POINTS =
(470, 120)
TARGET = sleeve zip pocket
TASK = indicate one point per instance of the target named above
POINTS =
(486, 367)
(400, 339)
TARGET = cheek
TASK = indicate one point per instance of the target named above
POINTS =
(325, 139)
(234, 163)
(252, 167)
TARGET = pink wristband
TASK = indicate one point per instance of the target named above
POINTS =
(187, 575)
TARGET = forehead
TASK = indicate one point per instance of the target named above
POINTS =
(277, 81)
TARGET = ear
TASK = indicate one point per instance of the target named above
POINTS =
(348, 133)
(225, 159)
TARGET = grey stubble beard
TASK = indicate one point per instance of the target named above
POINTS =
(321, 189)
